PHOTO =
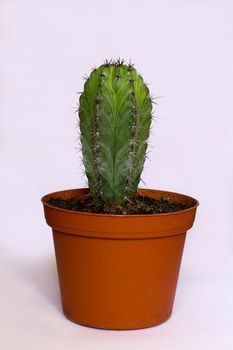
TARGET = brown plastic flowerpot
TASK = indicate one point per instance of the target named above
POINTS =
(118, 271)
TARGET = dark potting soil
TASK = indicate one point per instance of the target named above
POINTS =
(136, 206)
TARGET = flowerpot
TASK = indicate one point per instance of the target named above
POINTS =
(118, 271)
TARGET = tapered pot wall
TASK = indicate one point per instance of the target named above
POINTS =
(115, 271)
(118, 283)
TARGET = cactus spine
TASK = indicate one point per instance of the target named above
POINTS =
(115, 117)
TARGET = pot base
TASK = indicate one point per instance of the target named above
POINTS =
(120, 328)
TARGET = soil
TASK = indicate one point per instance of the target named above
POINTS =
(138, 205)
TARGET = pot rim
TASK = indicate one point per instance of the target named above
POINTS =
(192, 207)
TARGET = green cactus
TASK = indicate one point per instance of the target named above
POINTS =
(115, 113)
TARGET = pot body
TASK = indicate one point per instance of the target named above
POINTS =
(118, 271)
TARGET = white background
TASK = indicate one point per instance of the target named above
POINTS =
(184, 50)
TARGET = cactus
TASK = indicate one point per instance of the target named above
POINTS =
(115, 113)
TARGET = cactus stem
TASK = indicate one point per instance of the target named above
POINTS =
(115, 117)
